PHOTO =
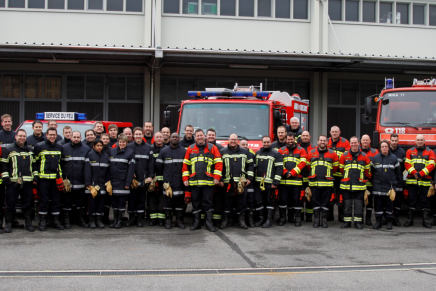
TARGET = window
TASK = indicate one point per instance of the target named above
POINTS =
(56, 4)
(33, 87)
(95, 4)
(209, 7)
(171, 6)
(190, 6)
(300, 9)
(94, 87)
(402, 13)
(351, 10)
(116, 88)
(418, 14)
(11, 86)
(134, 5)
(246, 8)
(135, 88)
(283, 9)
(75, 87)
(16, 3)
(76, 4)
(335, 9)
(385, 12)
(228, 7)
(368, 11)
(264, 8)
(114, 5)
(52, 87)
(36, 4)
(2, 3)
(432, 15)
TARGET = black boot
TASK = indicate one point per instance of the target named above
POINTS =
(409, 221)
(224, 220)
(180, 222)
(139, 222)
(316, 213)
(358, 224)
(231, 218)
(161, 220)
(368, 217)
(269, 218)
(28, 221)
(384, 221)
(42, 222)
(92, 222)
(81, 219)
(2, 211)
(242, 221)
(8, 222)
(426, 219)
(341, 213)
(67, 223)
(168, 218)
(250, 219)
(396, 220)
(105, 218)
(298, 218)
(325, 215)
(309, 215)
(153, 219)
(99, 221)
(282, 217)
(346, 224)
(291, 215)
(16, 223)
(56, 223)
(115, 212)
(389, 223)
(331, 213)
(378, 222)
(261, 218)
(120, 219)
(433, 223)
(209, 223)
(196, 224)
(131, 221)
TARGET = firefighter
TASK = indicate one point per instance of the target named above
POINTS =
(155, 198)
(113, 134)
(370, 152)
(169, 164)
(144, 172)
(281, 141)
(269, 170)
(250, 188)
(96, 172)
(148, 132)
(294, 161)
(339, 145)
(237, 165)
(54, 124)
(127, 131)
(67, 133)
(188, 139)
(7, 135)
(98, 129)
(72, 163)
(355, 168)
(387, 171)
(401, 155)
(106, 139)
(89, 138)
(121, 173)
(37, 136)
(296, 128)
(202, 168)
(17, 169)
(218, 197)
(166, 135)
(322, 163)
(307, 146)
(48, 157)
(419, 163)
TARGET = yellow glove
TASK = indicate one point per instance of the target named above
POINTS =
(109, 187)
(67, 185)
(152, 185)
(168, 189)
(262, 184)
(365, 197)
(431, 191)
(134, 184)
(391, 194)
(241, 184)
(308, 194)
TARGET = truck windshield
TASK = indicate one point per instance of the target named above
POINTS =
(74, 126)
(248, 120)
(409, 108)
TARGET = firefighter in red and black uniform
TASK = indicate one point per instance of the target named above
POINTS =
(155, 199)
(148, 132)
(420, 162)
(322, 163)
(339, 145)
(370, 152)
(307, 146)
(355, 167)
(294, 161)
(202, 170)
(401, 156)
(268, 173)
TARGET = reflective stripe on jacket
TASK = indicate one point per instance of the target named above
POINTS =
(322, 166)
(294, 161)
(356, 169)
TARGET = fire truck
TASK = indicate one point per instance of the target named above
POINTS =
(407, 111)
(247, 111)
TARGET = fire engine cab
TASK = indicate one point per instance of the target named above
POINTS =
(247, 111)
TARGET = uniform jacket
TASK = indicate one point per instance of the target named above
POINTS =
(48, 159)
(112, 141)
(88, 144)
(121, 170)
(144, 163)
(7, 137)
(73, 162)
(297, 133)
(400, 153)
(386, 171)
(277, 145)
(339, 147)
(17, 162)
(305, 172)
(236, 163)
(149, 139)
(169, 165)
(97, 170)
(370, 152)
(294, 161)
(155, 150)
(65, 141)
(322, 165)
(184, 143)
(355, 169)
(269, 164)
(33, 140)
(422, 161)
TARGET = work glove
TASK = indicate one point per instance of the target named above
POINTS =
(308, 194)
(60, 184)
(241, 185)
(67, 185)
(134, 184)
(366, 196)
(391, 194)
(405, 194)
(341, 200)
(36, 179)
(168, 190)
(333, 199)
(431, 191)
(418, 176)
(302, 194)
(35, 194)
(188, 197)
(109, 187)
(93, 191)
(152, 185)
(6, 180)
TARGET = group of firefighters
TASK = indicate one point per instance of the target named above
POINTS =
(158, 173)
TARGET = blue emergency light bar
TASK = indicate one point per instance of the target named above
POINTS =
(200, 94)
(389, 83)
(61, 116)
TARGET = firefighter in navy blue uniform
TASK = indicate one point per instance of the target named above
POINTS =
(48, 157)
(419, 163)
(296, 128)
(290, 190)
(72, 163)
(121, 174)
(355, 168)
(17, 170)
(202, 170)
(106, 139)
(386, 171)
(112, 129)
(339, 145)
(188, 139)
(268, 173)
(96, 173)
(250, 188)
(89, 138)
(148, 133)
(144, 172)
(237, 165)
(401, 155)
(67, 133)
(307, 146)
(218, 197)
(37, 136)
(370, 152)
(322, 163)
(169, 165)
(281, 141)
(155, 199)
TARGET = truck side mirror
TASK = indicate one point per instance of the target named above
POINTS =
(367, 116)
(167, 118)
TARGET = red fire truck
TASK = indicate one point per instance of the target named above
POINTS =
(247, 111)
(407, 111)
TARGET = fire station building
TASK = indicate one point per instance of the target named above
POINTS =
(127, 60)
